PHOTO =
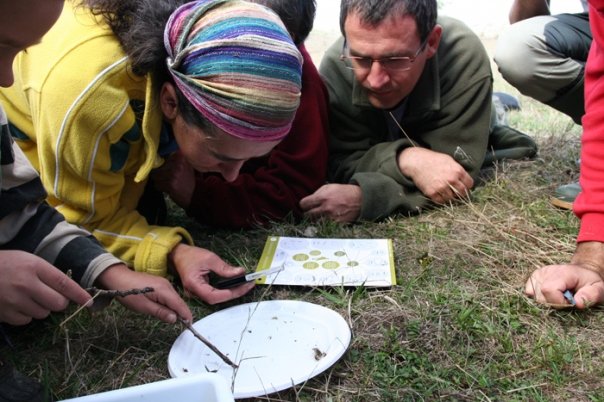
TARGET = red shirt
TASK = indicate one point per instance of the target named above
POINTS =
(270, 188)
(589, 206)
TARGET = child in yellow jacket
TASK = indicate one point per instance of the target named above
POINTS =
(109, 91)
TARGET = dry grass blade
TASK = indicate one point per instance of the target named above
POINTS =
(102, 297)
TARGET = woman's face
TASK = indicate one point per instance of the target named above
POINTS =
(218, 151)
(221, 153)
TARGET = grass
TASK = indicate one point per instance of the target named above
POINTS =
(457, 327)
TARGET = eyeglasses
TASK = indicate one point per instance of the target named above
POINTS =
(363, 64)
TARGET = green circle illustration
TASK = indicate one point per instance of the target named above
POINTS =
(331, 265)
(315, 252)
(300, 257)
(310, 265)
(352, 263)
(340, 253)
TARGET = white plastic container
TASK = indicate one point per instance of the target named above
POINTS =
(206, 387)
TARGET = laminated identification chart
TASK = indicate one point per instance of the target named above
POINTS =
(328, 262)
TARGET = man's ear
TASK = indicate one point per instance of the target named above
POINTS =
(433, 40)
(168, 101)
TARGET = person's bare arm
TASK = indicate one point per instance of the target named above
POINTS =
(523, 9)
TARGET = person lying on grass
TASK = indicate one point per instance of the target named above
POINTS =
(268, 189)
(117, 86)
(37, 246)
(411, 124)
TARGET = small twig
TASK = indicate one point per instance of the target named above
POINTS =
(82, 307)
(206, 342)
(118, 293)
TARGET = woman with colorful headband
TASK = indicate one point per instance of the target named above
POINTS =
(267, 189)
(117, 85)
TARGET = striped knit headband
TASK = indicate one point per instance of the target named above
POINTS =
(236, 63)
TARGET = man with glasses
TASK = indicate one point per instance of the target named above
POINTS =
(410, 112)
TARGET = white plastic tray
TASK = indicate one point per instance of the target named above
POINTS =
(205, 387)
(276, 344)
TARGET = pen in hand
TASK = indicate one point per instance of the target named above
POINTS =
(568, 295)
(238, 280)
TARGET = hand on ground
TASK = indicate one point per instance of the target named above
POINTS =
(547, 285)
(438, 176)
(338, 202)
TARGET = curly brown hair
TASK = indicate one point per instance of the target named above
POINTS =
(139, 27)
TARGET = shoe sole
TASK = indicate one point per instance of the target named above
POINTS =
(561, 203)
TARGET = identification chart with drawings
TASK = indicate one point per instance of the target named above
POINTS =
(328, 262)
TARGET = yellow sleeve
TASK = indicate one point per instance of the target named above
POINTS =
(89, 149)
